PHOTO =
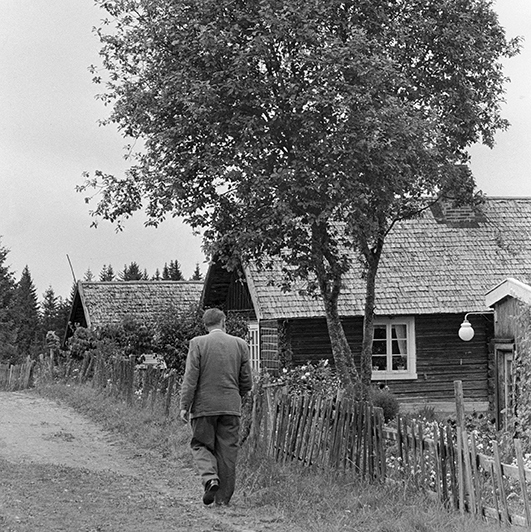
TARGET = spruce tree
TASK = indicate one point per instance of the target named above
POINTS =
(197, 275)
(133, 273)
(7, 329)
(49, 310)
(26, 316)
(173, 271)
(107, 273)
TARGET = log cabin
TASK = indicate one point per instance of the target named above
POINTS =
(434, 270)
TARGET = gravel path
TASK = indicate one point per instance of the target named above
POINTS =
(61, 472)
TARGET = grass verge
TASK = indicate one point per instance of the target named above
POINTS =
(314, 500)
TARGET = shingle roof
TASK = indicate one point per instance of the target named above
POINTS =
(509, 288)
(430, 265)
(107, 303)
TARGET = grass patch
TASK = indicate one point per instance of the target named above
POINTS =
(306, 498)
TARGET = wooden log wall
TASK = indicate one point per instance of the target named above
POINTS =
(442, 357)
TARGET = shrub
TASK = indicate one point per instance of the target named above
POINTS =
(174, 332)
(317, 378)
(387, 401)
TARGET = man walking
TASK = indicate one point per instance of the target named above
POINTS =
(217, 375)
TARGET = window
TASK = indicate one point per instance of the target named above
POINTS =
(393, 349)
(254, 345)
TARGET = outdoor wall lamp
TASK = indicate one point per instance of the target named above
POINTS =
(466, 332)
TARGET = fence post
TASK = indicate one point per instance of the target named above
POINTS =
(169, 391)
(460, 418)
(130, 379)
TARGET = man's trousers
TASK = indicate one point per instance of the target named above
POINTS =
(215, 449)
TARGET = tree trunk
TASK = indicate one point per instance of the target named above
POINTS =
(329, 273)
(372, 257)
(343, 359)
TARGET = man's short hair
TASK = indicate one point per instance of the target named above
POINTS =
(213, 316)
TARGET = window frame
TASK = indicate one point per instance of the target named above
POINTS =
(411, 372)
(254, 346)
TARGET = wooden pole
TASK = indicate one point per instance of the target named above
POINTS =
(460, 418)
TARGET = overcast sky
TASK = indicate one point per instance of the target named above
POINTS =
(49, 136)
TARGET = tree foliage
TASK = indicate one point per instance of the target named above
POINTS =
(26, 316)
(172, 272)
(132, 272)
(7, 291)
(169, 337)
(197, 275)
(301, 129)
(54, 313)
(107, 273)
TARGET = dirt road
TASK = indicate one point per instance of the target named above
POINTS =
(60, 472)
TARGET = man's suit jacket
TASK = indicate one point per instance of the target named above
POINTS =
(218, 373)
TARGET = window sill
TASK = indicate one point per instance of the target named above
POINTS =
(393, 376)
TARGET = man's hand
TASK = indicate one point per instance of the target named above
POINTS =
(185, 415)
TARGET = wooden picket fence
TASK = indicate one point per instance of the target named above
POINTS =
(16, 377)
(328, 431)
(117, 376)
(441, 459)
(447, 464)
(121, 378)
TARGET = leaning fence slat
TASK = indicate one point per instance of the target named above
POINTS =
(342, 432)
(460, 470)
(469, 484)
(283, 444)
(316, 427)
(494, 492)
(437, 462)
(383, 461)
(359, 438)
(444, 460)
(310, 422)
(499, 480)
(169, 392)
(366, 435)
(523, 485)
(476, 475)
(453, 468)
(301, 434)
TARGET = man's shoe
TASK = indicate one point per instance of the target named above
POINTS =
(211, 487)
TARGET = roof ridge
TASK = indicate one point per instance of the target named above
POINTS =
(165, 281)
